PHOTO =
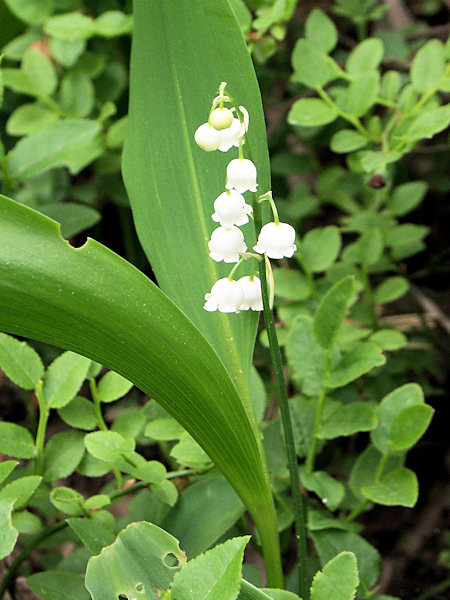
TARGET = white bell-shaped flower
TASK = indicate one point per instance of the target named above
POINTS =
(207, 137)
(232, 135)
(226, 296)
(241, 175)
(226, 244)
(230, 209)
(252, 293)
(276, 240)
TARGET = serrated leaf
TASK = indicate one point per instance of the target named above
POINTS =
(40, 72)
(77, 94)
(151, 472)
(67, 500)
(311, 66)
(365, 467)
(406, 197)
(79, 413)
(113, 386)
(321, 31)
(339, 577)
(64, 378)
(20, 362)
(428, 66)
(396, 488)
(365, 57)
(330, 491)
(58, 585)
(20, 490)
(29, 118)
(69, 26)
(166, 491)
(8, 533)
(427, 123)
(164, 429)
(92, 534)
(311, 112)
(347, 419)
(213, 575)
(409, 426)
(320, 248)
(7, 467)
(357, 362)
(362, 93)
(331, 311)
(109, 446)
(16, 441)
(62, 455)
(113, 23)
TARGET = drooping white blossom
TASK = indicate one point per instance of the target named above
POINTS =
(226, 296)
(233, 134)
(221, 118)
(276, 240)
(252, 293)
(207, 137)
(226, 244)
(230, 209)
(241, 175)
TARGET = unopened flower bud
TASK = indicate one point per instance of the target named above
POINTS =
(207, 137)
(241, 175)
(226, 244)
(230, 209)
(276, 240)
(221, 118)
(226, 296)
(252, 293)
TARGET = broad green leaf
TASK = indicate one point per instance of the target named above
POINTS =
(311, 66)
(7, 467)
(365, 57)
(58, 585)
(113, 386)
(67, 500)
(72, 217)
(355, 363)
(63, 143)
(305, 356)
(29, 118)
(62, 455)
(164, 429)
(320, 248)
(8, 533)
(331, 311)
(40, 72)
(311, 112)
(20, 490)
(428, 123)
(290, 284)
(365, 467)
(362, 93)
(204, 512)
(407, 395)
(30, 11)
(347, 140)
(92, 534)
(321, 31)
(174, 234)
(142, 560)
(406, 197)
(331, 542)
(113, 23)
(330, 491)
(338, 578)
(20, 362)
(77, 94)
(397, 488)
(389, 339)
(344, 420)
(428, 66)
(391, 289)
(64, 378)
(91, 301)
(409, 426)
(79, 413)
(212, 576)
(69, 26)
(16, 441)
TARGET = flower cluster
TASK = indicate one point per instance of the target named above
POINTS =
(276, 240)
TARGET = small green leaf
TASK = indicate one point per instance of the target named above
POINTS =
(40, 72)
(330, 491)
(108, 446)
(389, 339)
(406, 197)
(367, 250)
(409, 426)
(357, 362)
(320, 248)
(397, 488)
(26, 522)
(69, 26)
(407, 395)
(8, 533)
(362, 93)
(164, 429)
(391, 82)
(6, 468)
(20, 362)
(62, 454)
(303, 411)
(311, 66)
(321, 31)
(58, 585)
(77, 94)
(331, 311)
(113, 386)
(94, 536)
(428, 66)
(66, 52)
(166, 491)
(20, 490)
(67, 500)
(391, 289)
(189, 454)
(339, 577)
(347, 140)
(428, 123)
(305, 356)
(16, 441)
(30, 11)
(214, 575)
(365, 57)
(64, 378)
(347, 419)
(365, 467)
(29, 118)
(290, 284)
(311, 112)
(151, 472)
(97, 501)
(72, 217)
(113, 23)
(79, 413)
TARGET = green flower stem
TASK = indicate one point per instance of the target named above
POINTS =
(44, 412)
(101, 422)
(235, 268)
(268, 196)
(309, 465)
(342, 113)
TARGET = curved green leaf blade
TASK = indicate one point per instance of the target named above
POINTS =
(91, 301)
(191, 47)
